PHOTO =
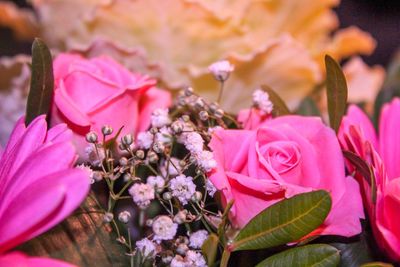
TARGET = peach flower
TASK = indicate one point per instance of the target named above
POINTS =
(278, 43)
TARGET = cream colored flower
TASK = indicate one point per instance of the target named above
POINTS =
(363, 82)
(280, 43)
(21, 21)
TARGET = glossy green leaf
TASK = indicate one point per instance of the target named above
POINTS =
(284, 222)
(336, 90)
(310, 255)
(42, 82)
(308, 107)
(356, 253)
(377, 264)
(210, 248)
(280, 107)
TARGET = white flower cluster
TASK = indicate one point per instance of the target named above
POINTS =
(221, 70)
(183, 188)
(197, 238)
(164, 228)
(160, 118)
(146, 247)
(142, 194)
(261, 100)
(145, 140)
(191, 259)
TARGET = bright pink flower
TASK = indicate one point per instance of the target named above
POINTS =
(252, 118)
(90, 93)
(38, 185)
(358, 135)
(286, 156)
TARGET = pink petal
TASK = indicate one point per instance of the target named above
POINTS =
(31, 140)
(51, 199)
(18, 259)
(389, 138)
(153, 98)
(345, 215)
(59, 156)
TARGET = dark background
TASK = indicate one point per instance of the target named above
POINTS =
(381, 18)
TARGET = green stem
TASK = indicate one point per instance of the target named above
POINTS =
(225, 258)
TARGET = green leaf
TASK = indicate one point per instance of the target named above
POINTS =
(210, 248)
(308, 108)
(364, 169)
(336, 90)
(377, 264)
(221, 227)
(280, 107)
(284, 222)
(356, 253)
(42, 82)
(310, 255)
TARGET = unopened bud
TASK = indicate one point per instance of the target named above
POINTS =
(124, 216)
(197, 196)
(123, 161)
(203, 115)
(180, 217)
(91, 137)
(139, 154)
(177, 126)
(152, 156)
(158, 147)
(127, 140)
(106, 130)
(219, 113)
(108, 217)
(188, 91)
(167, 196)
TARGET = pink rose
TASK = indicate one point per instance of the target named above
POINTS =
(252, 118)
(90, 93)
(284, 157)
(358, 135)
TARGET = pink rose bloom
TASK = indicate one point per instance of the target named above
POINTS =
(91, 93)
(38, 187)
(284, 157)
(252, 118)
(358, 135)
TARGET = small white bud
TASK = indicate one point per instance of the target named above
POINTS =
(197, 196)
(108, 217)
(124, 216)
(167, 196)
(188, 91)
(203, 115)
(106, 130)
(158, 147)
(123, 161)
(219, 113)
(152, 156)
(139, 154)
(221, 70)
(180, 217)
(177, 126)
(91, 137)
(127, 140)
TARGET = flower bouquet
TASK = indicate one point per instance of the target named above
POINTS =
(180, 181)
(131, 143)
